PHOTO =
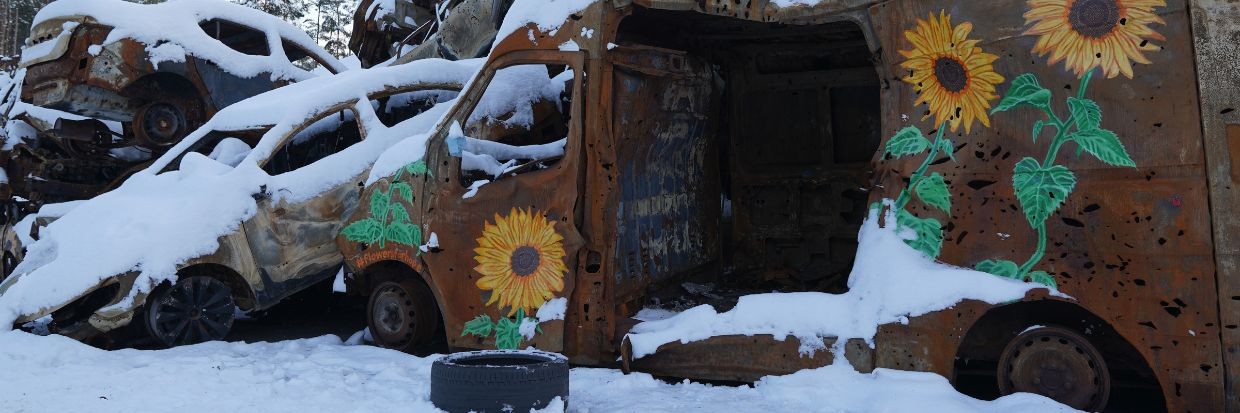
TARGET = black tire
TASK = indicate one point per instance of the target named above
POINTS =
(402, 315)
(193, 310)
(499, 380)
(1058, 363)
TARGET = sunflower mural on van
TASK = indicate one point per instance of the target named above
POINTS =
(1086, 35)
(956, 80)
(521, 259)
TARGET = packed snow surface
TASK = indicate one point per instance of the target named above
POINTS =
(156, 221)
(177, 22)
(57, 374)
(890, 281)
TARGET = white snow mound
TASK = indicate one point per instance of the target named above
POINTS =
(890, 281)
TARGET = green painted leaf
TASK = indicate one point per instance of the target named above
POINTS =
(480, 326)
(908, 141)
(402, 233)
(1037, 129)
(399, 213)
(415, 233)
(379, 205)
(1041, 190)
(1024, 90)
(366, 231)
(1044, 278)
(417, 168)
(929, 233)
(1086, 112)
(507, 334)
(948, 147)
(403, 190)
(1104, 145)
(1002, 268)
(933, 191)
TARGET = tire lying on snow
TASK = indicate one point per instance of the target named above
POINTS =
(499, 380)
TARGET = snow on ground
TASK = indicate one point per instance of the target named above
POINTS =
(890, 281)
(57, 374)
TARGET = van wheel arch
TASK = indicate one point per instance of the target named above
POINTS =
(983, 343)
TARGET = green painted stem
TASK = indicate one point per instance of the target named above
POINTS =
(1061, 136)
(906, 194)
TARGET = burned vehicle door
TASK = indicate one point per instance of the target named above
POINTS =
(506, 198)
(225, 88)
(293, 240)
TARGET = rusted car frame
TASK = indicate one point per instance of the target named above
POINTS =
(158, 103)
(1142, 251)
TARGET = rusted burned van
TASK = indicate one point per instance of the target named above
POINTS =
(1082, 144)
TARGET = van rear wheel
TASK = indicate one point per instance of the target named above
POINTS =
(402, 315)
(1057, 363)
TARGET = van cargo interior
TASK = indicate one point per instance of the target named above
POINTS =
(743, 151)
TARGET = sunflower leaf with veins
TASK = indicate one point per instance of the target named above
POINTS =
(1041, 190)
(1025, 90)
(367, 231)
(908, 141)
(508, 333)
(1002, 268)
(929, 232)
(480, 326)
(1086, 113)
(1104, 145)
(932, 190)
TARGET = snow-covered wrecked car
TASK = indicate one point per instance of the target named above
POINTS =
(399, 31)
(243, 212)
(163, 68)
(137, 78)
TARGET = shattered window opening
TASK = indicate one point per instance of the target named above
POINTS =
(328, 134)
(520, 124)
(237, 37)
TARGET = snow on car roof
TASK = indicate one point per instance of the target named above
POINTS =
(177, 22)
(155, 222)
(286, 107)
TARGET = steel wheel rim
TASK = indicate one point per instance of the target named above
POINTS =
(1056, 363)
(393, 316)
(193, 310)
(162, 123)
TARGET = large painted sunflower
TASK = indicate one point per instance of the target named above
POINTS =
(1086, 34)
(951, 74)
(521, 259)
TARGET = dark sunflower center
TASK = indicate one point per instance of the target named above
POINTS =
(1094, 18)
(525, 260)
(951, 74)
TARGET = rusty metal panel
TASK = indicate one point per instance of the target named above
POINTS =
(1216, 32)
(1130, 244)
(668, 178)
(742, 358)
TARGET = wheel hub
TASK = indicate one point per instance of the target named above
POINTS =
(163, 123)
(1056, 363)
(389, 312)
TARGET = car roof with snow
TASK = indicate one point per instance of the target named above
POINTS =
(177, 22)
(286, 108)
